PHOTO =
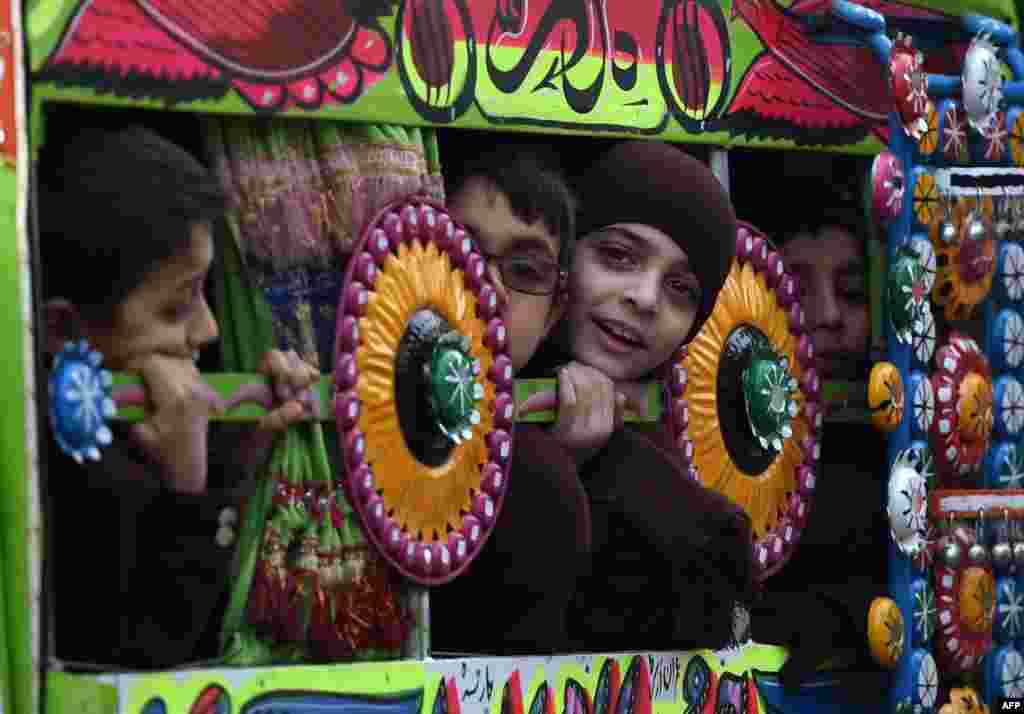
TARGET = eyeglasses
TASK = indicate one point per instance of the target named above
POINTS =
(528, 273)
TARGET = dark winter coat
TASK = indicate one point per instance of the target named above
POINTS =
(514, 597)
(624, 553)
(139, 578)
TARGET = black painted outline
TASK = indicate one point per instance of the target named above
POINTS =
(439, 115)
(693, 126)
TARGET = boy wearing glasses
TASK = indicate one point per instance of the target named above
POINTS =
(522, 215)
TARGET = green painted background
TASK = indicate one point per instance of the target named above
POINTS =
(16, 661)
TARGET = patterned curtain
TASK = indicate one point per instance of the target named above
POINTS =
(306, 585)
(301, 192)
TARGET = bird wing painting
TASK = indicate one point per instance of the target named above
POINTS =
(773, 100)
(275, 53)
(812, 88)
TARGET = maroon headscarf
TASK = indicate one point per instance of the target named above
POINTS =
(660, 186)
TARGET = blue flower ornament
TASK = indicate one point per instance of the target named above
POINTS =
(80, 401)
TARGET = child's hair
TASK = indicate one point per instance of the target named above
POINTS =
(114, 205)
(529, 177)
(835, 204)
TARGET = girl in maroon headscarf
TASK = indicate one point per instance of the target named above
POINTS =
(657, 235)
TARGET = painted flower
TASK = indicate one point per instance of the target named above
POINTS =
(981, 82)
(926, 257)
(454, 388)
(926, 200)
(1013, 340)
(924, 613)
(894, 626)
(461, 379)
(995, 138)
(927, 682)
(992, 94)
(962, 382)
(1011, 678)
(909, 87)
(967, 264)
(924, 404)
(1010, 609)
(885, 396)
(922, 560)
(975, 408)
(1011, 407)
(1010, 469)
(923, 338)
(888, 186)
(907, 503)
(916, 510)
(966, 598)
(770, 403)
(907, 291)
(954, 134)
(86, 393)
(80, 401)
(1013, 271)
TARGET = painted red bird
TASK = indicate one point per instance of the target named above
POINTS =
(804, 84)
(275, 53)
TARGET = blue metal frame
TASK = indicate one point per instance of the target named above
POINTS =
(904, 578)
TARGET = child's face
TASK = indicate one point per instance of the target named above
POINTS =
(632, 300)
(502, 234)
(166, 314)
(829, 267)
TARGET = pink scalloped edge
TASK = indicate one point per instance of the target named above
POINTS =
(953, 361)
(427, 562)
(773, 550)
(956, 646)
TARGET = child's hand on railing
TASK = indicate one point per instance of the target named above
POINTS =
(589, 410)
(85, 398)
(174, 433)
(292, 379)
(637, 401)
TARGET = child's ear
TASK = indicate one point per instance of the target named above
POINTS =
(62, 322)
